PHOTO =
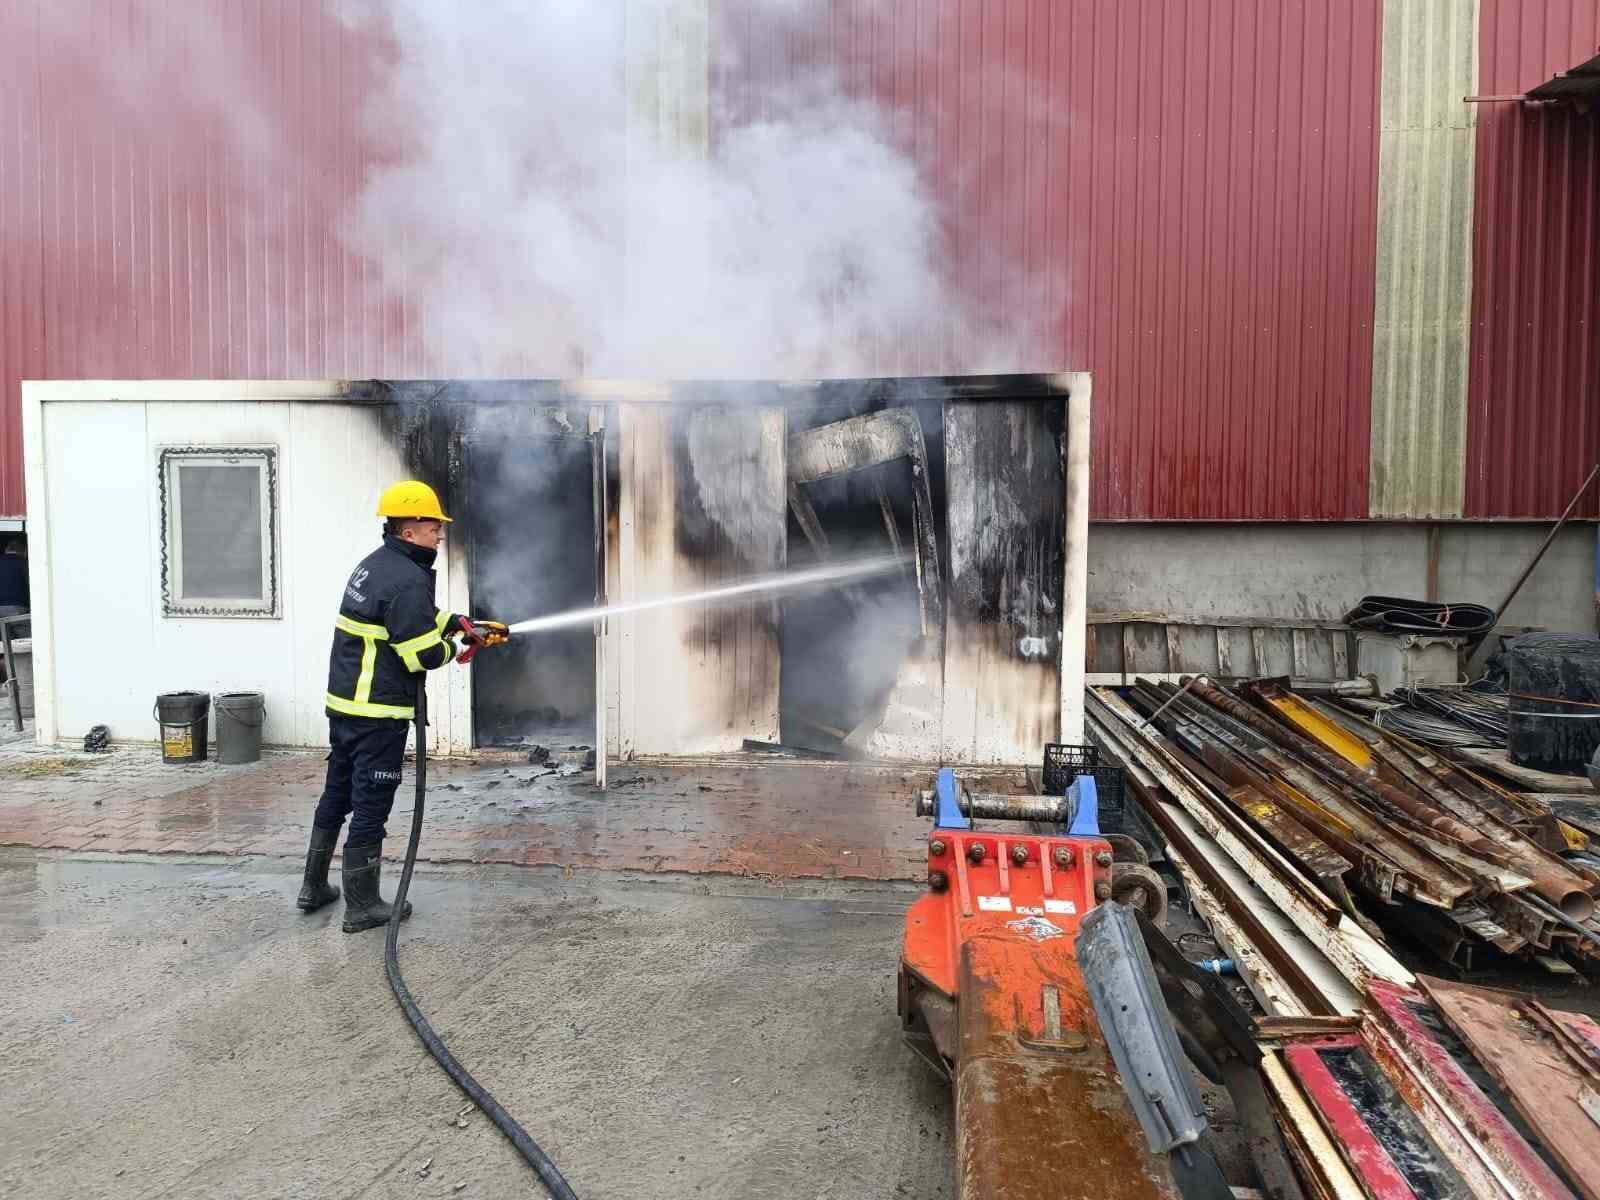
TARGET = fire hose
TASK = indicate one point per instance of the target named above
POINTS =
(530, 1150)
(491, 633)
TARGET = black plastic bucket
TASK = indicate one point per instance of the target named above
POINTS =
(184, 720)
(240, 716)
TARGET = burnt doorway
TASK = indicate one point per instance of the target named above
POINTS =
(531, 552)
(861, 663)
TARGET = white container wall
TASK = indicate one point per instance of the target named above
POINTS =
(103, 646)
(107, 553)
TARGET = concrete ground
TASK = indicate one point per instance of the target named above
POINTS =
(738, 816)
(683, 986)
(174, 1028)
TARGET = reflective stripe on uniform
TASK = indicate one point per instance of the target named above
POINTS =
(409, 650)
(370, 636)
(369, 663)
(361, 629)
(353, 708)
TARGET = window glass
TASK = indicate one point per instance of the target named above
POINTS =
(219, 508)
(219, 531)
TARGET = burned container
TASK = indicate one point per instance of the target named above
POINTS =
(183, 718)
(1555, 701)
(240, 716)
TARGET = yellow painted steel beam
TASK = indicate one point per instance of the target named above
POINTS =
(1316, 726)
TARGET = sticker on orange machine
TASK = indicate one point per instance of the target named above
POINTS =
(994, 903)
(1036, 927)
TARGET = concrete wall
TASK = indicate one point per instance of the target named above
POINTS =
(1322, 570)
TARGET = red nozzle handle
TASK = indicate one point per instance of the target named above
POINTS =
(473, 638)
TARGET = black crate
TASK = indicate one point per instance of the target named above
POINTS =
(1064, 763)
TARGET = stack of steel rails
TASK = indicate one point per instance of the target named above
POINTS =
(1309, 835)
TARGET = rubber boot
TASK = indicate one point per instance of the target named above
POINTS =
(315, 890)
(364, 908)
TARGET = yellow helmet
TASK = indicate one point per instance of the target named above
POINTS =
(411, 498)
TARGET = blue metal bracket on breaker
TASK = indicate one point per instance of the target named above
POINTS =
(1083, 802)
(1085, 809)
(946, 794)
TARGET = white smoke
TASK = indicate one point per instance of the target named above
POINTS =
(564, 189)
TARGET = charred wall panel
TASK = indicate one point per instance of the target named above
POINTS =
(1007, 528)
(531, 528)
(701, 501)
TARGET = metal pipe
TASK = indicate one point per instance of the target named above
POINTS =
(1561, 918)
(1363, 686)
(1170, 701)
(1543, 546)
(992, 806)
(13, 688)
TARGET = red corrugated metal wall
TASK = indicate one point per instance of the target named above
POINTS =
(1200, 181)
(1194, 183)
(21, 266)
(143, 238)
(1533, 390)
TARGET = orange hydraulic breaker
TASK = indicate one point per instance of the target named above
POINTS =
(992, 994)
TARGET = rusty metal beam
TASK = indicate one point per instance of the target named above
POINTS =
(1166, 761)
(1352, 950)
(1209, 863)
(1428, 878)
(1474, 1134)
(1387, 862)
(1564, 888)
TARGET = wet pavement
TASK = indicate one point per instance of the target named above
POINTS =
(684, 984)
(744, 816)
(176, 1029)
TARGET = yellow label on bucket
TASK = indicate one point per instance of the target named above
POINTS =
(177, 741)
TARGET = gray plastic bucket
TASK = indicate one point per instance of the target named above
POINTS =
(182, 717)
(240, 716)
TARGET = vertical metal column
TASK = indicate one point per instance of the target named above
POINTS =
(12, 687)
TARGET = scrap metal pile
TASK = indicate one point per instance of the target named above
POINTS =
(1442, 1091)
(1307, 834)
(1446, 716)
(1308, 837)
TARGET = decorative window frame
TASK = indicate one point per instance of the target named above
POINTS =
(172, 602)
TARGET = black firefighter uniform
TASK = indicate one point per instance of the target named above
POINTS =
(388, 632)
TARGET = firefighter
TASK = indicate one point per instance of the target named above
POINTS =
(388, 632)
